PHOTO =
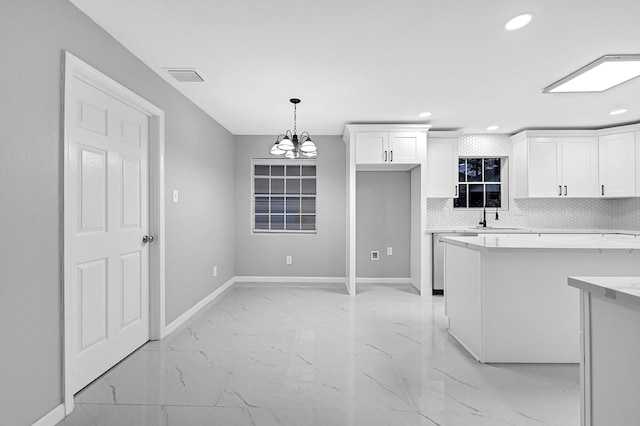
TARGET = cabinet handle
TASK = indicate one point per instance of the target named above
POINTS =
(456, 186)
(602, 189)
(391, 156)
(565, 190)
(385, 156)
(560, 190)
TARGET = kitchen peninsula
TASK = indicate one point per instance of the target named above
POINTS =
(610, 317)
(506, 295)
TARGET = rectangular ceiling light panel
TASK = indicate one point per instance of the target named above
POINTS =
(186, 75)
(600, 75)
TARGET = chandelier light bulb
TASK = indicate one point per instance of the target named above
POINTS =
(286, 144)
(275, 150)
(308, 146)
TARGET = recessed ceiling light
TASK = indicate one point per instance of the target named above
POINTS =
(600, 75)
(618, 112)
(424, 114)
(518, 22)
(492, 128)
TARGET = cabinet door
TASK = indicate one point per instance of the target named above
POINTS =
(404, 147)
(616, 169)
(442, 167)
(372, 147)
(579, 176)
(544, 168)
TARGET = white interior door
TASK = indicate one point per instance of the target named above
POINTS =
(109, 212)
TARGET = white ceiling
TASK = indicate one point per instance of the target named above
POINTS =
(382, 61)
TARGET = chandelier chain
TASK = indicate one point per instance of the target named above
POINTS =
(295, 109)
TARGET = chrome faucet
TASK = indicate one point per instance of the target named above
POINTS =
(483, 222)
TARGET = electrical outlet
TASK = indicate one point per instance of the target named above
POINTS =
(375, 255)
(389, 251)
(215, 271)
(289, 260)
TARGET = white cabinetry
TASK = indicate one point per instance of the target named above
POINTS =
(617, 165)
(381, 148)
(610, 349)
(637, 164)
(442, 166)
(389, 147)
(557, 166)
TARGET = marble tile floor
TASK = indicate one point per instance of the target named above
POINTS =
(311, 355)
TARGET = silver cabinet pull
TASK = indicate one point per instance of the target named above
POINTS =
(565, 190)
(456, 186)
(385, 156)
(560, 190)
(602, 189)
(147, 239)
(391, 156)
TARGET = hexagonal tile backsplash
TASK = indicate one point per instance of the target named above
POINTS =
(532, 213)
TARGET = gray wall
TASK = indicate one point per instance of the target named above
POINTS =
(383, 219)
(314, 255)
(33, 34)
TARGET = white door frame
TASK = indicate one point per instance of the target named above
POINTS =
(76, 68)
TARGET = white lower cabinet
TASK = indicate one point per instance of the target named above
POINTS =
(617, 165)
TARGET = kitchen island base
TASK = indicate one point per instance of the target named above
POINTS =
(513, 306)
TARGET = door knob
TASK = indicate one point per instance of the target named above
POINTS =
(147, 239)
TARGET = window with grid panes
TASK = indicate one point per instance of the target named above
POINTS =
(284, 196)
(479, 182)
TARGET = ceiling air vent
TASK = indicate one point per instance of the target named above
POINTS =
(186, 75)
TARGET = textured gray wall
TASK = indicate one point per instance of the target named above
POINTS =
(33, 34)
(314, 255)
(383, 219)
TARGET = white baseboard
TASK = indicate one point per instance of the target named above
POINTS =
(196, 308)
(52, 417)
(362, 280)
(296, 280)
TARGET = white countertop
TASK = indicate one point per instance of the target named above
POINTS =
(515, 230)
(621, 289)
(573, 242)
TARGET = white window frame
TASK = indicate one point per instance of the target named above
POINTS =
(504, 183)
(283, 162)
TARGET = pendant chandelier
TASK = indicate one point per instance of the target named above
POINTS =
(292, 146)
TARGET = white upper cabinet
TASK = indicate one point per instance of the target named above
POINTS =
(389, 147)
(544, 167)
(372, 147)
(442, 167)
(404, 147)
(555, 167)
(617, 165)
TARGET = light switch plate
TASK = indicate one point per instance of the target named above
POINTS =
(289, 260)
(175, 196)
(389, 251)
